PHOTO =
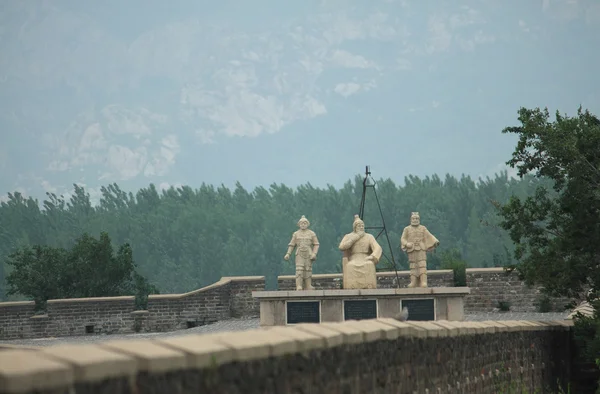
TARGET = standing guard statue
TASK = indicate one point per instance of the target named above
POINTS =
(307, 245)
(416, 240)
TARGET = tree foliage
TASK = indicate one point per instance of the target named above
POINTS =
(91, 268)
(186, 238)
(557, 230)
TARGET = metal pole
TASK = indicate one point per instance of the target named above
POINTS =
(383, 228)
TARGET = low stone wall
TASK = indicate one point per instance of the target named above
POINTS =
(489, 286)
(369, 356)
(385, 280)
(230, 297)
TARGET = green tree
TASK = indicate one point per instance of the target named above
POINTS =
(557, 231)
(37, 273)
(91, 268)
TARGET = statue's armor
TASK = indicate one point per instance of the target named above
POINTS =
(416, 236)
(304, 243)
(418, 252)
(421, 241)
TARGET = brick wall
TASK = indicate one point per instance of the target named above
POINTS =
(230, 297)
(15, 317)
(385, 280)
(369, 356)
(488, 286)
(67, 317)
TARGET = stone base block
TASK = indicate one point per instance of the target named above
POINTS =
(278, 308)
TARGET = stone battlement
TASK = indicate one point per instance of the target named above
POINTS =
(382, 355)
(230, 297)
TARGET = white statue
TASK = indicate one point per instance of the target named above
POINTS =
(416, 241)
(307, 245)
(361, 254)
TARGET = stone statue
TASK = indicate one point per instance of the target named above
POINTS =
(361, 253)
(307, 245)
(416, 240)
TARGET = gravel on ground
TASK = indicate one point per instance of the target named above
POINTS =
(248, 324)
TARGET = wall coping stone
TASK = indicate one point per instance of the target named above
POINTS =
(16, 304)
(404, 329)
(91, 299)
(283, 294)
(201, 351)
(6, 346)
(62, 365)
(381, 274)
(92, 363)
(222, 282)
(499, 270)
(305, 340)
(351, 334)
(25, 371)
(451, 329)
(431, 329)
(150, 356)
(330, 338)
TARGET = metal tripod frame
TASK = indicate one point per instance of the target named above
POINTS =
(382, 229)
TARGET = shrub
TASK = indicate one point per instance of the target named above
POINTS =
(544, 304)
(586, 338)
(452, 260)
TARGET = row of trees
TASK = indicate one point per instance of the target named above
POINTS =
(183, 239)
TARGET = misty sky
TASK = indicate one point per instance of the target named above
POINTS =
(185, 92)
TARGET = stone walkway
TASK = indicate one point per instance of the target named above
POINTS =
(247, 324)
(535, 316)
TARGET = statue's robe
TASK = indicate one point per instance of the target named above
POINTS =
(422, 241)
(358, 272)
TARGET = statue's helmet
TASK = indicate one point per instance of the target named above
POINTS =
(357, 221)
(303, 219)
(415, 218)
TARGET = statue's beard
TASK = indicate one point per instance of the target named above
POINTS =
(360, 233)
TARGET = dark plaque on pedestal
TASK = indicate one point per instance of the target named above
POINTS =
(420, 310)
(360, 309)
(303, 312)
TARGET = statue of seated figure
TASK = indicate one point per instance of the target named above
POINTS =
(361, 253)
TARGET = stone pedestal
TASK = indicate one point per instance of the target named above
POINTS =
(278, 308)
